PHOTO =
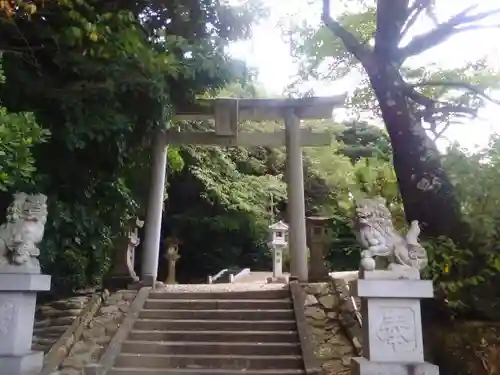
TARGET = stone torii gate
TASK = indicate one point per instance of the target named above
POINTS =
(227, 113)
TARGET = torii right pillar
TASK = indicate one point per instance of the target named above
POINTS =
(296, 203)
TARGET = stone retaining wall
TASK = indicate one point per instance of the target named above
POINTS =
(98, 333)
(333, 326)
(63, 346)
(54, 318)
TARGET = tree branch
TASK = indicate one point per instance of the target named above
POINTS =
(458, 85)
(391, 17)
(351, 43)
(413, 13)
(435, 112)
(442, 32)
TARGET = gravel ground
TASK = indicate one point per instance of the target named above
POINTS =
(236, 287)
(252, 281)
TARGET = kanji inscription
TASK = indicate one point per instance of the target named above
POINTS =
(397, 329)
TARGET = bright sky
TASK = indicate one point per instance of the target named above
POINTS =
(271, 56)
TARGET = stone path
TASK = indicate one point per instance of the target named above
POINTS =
(256, 285)
(261, 277)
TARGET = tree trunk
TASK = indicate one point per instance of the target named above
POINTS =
(427, 193)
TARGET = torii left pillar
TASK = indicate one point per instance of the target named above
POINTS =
(152, 230)
(296, 202)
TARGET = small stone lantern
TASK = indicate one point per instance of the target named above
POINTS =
(278, 233)
(172, 256)
(317, 241)
(122, 273)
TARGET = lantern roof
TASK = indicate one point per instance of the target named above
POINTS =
(280, 225)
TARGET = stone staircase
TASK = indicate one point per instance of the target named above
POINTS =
(213, 332)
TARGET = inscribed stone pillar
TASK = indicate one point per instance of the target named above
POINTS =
(317, 241)
(277, 262)
(392, 325)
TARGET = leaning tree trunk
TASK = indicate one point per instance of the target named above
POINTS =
(427, 193)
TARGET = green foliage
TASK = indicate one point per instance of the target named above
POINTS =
(19, 133)
(473, 272)
(219, 205)
(102, 78)
(362, 140)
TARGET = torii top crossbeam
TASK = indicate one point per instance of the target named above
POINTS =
(264, 109)
(227, 114)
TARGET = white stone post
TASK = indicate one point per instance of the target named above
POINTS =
(392, 325)
(277, 262)
(152, 230)
(296, 204)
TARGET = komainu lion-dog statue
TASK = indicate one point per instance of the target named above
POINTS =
(380, 240)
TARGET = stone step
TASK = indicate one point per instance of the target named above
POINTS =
(219, 314)
(226, 348)
(216, 336)
(249, 294)
(182, 371)
(196, 361)
(213, 304)
(62, 321)
(44, 340)
(50, 331)
(41, 348)
(217, 325)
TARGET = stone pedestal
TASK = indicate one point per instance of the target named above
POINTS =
(392, 325)
(17, 314)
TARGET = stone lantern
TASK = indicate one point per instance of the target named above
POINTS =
(278, 234)
(317, 241)
(123, 273)
(172, 244)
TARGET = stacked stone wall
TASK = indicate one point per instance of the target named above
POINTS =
(333, 325)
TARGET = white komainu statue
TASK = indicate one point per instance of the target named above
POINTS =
(22, 232)
(377, 235)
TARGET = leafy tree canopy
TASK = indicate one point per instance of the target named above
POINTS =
(101, 78)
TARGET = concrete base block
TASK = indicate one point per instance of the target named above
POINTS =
(27, 364)
(17, 312)
(379, 288)
(362, 366)
(24, 282)
(148, 280)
